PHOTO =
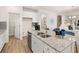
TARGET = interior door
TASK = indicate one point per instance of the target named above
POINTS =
(14, 24)
(17, 26)
(27, 25)
(11, 24)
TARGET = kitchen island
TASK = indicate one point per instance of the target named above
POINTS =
(2, 38)
(51, 44)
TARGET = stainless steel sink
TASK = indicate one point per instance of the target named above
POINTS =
(43, 35)
(40, 33)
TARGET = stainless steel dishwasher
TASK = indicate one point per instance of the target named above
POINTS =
(29, 39)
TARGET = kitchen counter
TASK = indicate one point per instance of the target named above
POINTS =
(54, 42)
(2, 31)
(3, 37)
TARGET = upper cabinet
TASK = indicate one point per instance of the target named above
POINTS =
(32, 15)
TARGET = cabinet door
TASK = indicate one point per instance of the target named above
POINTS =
(34, 44)
(4, 37)
(48, 49)
(70, 49)
(37, 45)
(67, 50)
(1, 42)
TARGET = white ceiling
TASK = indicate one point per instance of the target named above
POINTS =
(56, 9)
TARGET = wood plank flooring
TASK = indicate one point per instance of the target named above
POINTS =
(16, 46)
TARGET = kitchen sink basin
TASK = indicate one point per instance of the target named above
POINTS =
(43, 35)
(40, 33)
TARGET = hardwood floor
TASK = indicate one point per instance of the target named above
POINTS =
(16, 46)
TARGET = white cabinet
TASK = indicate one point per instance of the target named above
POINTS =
(33, 15)
(2, 40)
(40, 47)
(37, 45)
(48, 49)
(69, 49)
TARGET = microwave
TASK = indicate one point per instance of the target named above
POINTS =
(36, 26)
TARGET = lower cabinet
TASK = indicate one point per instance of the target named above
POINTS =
(2, 40)
(37, 45)
(40, 47)
(48, 49)
(70, 49)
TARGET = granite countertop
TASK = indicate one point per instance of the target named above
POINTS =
(55, 42)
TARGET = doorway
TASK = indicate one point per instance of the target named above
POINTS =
(27, 25)
(14, 25)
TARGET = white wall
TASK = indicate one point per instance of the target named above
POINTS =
(35, 15)
(27, 25)
(11, 24)
(17, 26)
(63, 25)
(14, 9)
(4, 16)
(30, 16)
(14, 24)
(68, 13)
(50, 15)
(72, 12)
(19, 10)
